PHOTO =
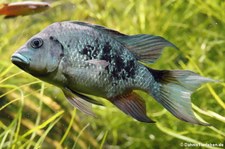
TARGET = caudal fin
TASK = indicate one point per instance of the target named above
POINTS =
(175, 89)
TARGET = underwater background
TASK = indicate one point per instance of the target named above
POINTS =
(34, 114)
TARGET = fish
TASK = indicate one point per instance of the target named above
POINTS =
(87, 60)
(10, 10)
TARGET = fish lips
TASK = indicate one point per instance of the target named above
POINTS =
(20, 61)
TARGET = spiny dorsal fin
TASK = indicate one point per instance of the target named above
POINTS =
(111, 32)
(132, 104)
(175, 89)
(146, 48)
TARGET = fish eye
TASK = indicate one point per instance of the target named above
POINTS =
(36, 43)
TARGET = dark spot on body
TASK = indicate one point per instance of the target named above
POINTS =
(119, 63)
(84, 51)
(51, 37)
(69, 43)
(89, 47)
(130, 68)
(87, 50)
(95, 53)
(106, 52)
(107, 48)
(62, 54)
(90, 51)
(114, 73)
(121, 69)
(106, 57)
(162, 76)
(54, 39)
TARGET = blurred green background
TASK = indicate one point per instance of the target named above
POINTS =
(34, 114)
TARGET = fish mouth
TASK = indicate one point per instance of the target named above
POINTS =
(20, 60)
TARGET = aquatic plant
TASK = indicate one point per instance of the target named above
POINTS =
(34, 114)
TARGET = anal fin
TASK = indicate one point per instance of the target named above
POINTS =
(132, 104)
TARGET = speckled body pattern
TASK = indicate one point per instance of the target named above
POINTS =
(84, 59)
(81, 43)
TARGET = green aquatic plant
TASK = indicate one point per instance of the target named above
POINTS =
(34, 114)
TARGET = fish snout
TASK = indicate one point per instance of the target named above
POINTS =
(20, 60)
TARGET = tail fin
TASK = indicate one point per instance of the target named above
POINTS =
(175, 89)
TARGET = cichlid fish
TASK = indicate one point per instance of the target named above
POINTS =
(84, 59)
(22, 8)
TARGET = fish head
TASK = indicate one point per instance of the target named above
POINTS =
(40, 55)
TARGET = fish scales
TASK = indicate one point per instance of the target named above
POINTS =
(85, 59)
(93, 45)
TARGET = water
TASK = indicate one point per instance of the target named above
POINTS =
(33, 114)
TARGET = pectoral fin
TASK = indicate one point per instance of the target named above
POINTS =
(100, 63)
(86, 98)
(78, 102)
(132, 104)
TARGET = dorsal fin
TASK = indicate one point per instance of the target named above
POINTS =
(111, 32)
(146, 48)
